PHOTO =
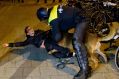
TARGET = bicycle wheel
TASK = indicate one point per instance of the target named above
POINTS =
(97, 20)
(117, 58)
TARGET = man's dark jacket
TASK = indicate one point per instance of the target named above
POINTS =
(35, 40)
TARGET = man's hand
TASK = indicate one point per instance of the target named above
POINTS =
(5, 45)
(42, 45)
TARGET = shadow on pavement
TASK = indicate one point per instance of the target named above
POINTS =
(32, 55)
(35, 56)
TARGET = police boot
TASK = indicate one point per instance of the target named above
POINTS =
(80, 75)
(89, 71)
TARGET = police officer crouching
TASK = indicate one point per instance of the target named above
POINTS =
(62, 18)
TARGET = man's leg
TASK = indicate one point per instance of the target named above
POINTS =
(62, 51)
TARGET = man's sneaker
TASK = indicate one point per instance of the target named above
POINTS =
(52, 51)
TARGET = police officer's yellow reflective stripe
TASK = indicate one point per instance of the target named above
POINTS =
(53, 14)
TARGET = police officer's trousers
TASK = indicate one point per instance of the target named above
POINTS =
(80, 49)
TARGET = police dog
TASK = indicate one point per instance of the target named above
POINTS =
(93, 45)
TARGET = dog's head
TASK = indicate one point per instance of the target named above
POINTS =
(103, 30)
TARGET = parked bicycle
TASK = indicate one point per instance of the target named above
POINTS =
(99, 18)
(117, 58)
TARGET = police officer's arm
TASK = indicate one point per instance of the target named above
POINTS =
(44, 36)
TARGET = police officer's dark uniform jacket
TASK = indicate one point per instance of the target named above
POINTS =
(62, 18)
